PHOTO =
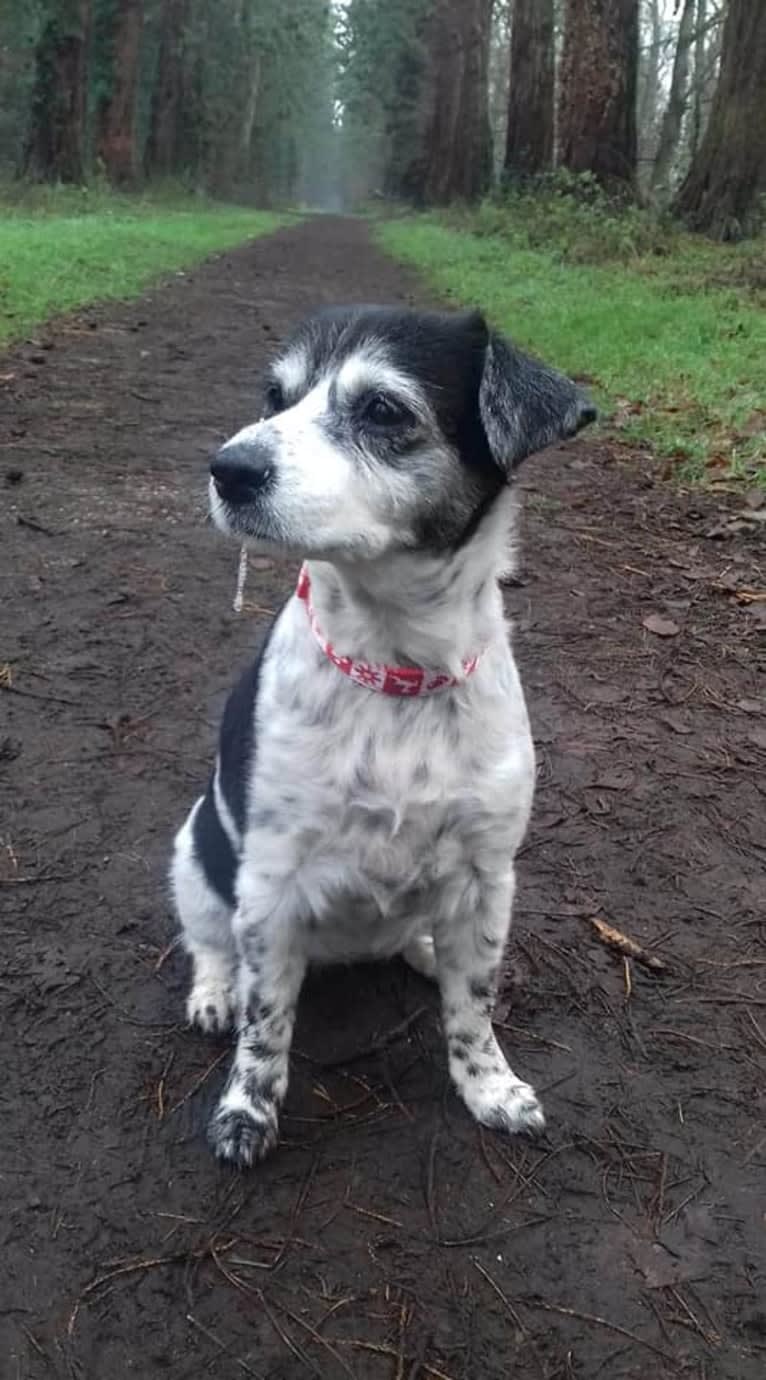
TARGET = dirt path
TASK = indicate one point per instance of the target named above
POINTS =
(388, 1237)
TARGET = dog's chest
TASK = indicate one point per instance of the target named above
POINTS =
(379, 803)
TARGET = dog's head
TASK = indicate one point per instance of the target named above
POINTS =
(385, 430)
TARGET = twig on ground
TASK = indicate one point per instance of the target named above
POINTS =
(161, 1087)
(166, 952)
(376, 1216)
(203, 1077)
(513, 1314)
(375, 1046)
(132, 1267)
(222, 1346)
(317, 1337)
(598, 1321)
(285, 1337)
(381, 1350)
(624, 944)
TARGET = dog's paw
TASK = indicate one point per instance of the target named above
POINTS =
(244, 1134)
(421, 956)
(501, 1101)
(210, 1006)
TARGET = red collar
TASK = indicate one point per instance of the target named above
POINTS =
(388, 680)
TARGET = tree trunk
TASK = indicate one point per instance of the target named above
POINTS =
(117, 133)
(698, 88)
(720, 192)
(529, 140)
(649, 79)
(597, 104)
(249, 113)
(672, 120)
(707, 62)
(455, 161)
(162, 144)
(55, 145)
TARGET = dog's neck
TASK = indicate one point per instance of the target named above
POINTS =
(412, 609)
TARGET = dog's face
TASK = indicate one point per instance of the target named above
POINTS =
(387, 430)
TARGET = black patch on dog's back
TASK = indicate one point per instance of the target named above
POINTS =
(212, 848)
(236, 745)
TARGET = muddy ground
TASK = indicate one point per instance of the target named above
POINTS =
(388, 1237)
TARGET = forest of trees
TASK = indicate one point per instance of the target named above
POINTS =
(329, 102)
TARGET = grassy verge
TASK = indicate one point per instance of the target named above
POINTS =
(60, 250)
(670, 335)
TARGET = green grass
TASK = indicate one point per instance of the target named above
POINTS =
(63, 248)
(671, 342)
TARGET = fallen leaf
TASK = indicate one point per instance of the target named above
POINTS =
(661, 627)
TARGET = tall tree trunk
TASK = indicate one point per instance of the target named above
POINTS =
(454, 161)
(162, 143)
(649, 79)
(117, 132)
(672, 120)
(529, 139)
(597, 105)
(698, 86)
(55, 145)
(720, 192)
(248, 114)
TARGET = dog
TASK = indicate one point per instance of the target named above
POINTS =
(375, 769)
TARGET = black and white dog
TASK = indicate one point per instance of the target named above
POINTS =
(375, 771)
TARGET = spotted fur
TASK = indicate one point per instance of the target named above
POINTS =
(339, 823)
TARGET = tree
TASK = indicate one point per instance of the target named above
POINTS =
(499, 80)
(699, 77)
(455, 163)
(383, 67)
(117, 113)
(720, 192)
(670, 131)
(55, 142)
(597, 103)
(707, 61)
(649, 75)
(529, 139)
(162, 146)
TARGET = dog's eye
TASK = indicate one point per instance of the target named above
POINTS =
(381, 411)
(275, 399)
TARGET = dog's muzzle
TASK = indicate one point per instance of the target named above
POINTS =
(242, 471)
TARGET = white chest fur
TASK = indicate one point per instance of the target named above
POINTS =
(364, 807)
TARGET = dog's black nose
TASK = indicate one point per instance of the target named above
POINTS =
(242, 469)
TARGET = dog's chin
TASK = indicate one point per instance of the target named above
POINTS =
(246, 524)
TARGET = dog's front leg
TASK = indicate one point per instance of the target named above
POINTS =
(469, 939)
(244, 1126)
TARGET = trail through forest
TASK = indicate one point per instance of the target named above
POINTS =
(388, 1237)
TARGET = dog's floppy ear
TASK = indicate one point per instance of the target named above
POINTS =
(526, 406)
